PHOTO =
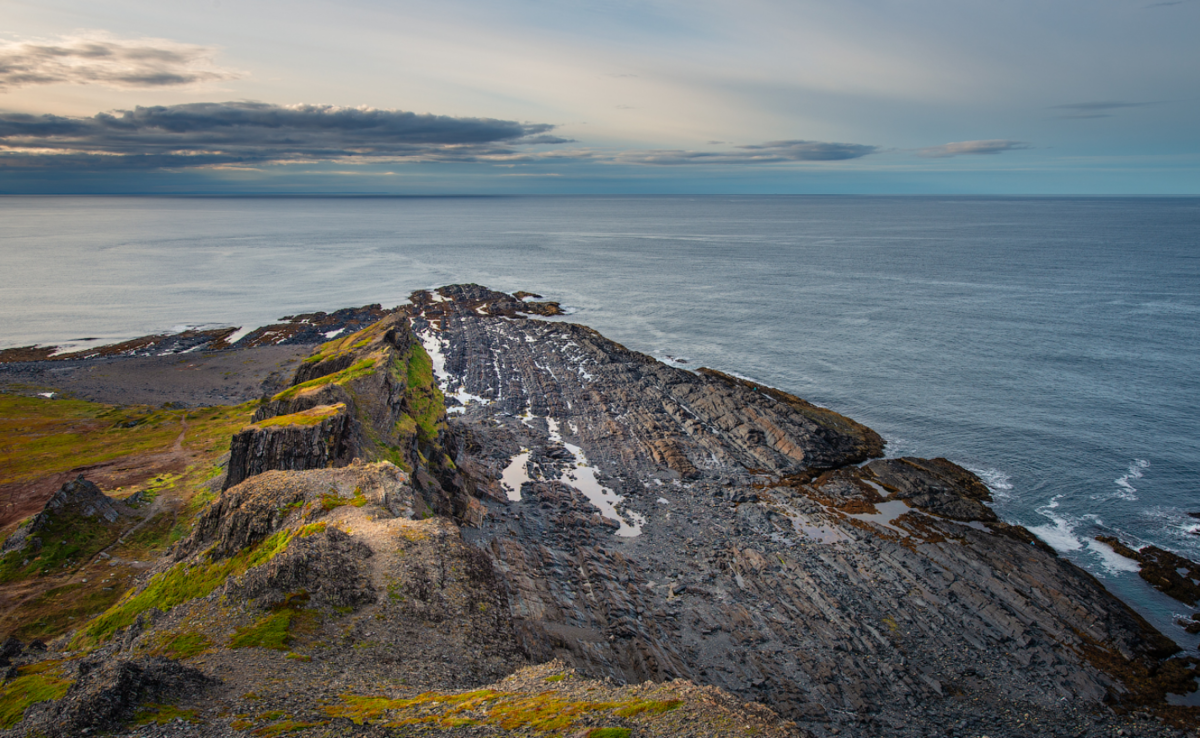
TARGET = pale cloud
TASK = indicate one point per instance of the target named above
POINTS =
(98, 58)
(967, 148)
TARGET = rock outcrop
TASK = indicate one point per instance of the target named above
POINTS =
(77, 499)
(460, 492)
(747, 548)
(105, 694)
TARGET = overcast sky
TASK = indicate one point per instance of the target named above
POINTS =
(468, 96)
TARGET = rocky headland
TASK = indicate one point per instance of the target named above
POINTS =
(465, 519)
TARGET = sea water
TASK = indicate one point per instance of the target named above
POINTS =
(1052, 345)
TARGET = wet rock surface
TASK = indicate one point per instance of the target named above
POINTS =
(766, 560)
(305, 329)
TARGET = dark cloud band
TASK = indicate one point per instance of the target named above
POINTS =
(767, 153)
(208, 134)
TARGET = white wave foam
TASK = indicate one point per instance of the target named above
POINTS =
(1059, 532)
(1111, 561)
(995, 480)
(1126, 490)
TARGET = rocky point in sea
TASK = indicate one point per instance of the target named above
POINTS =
(466, 519)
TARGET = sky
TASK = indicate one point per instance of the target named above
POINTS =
(605, 96)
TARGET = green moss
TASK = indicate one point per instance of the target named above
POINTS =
(183, 583)
(287, 726)
(556, 678)
(184, 645)
(42, 437)
(548, 712)
(66, 542)
(656, 707)
(269, 632)
(154, 714)
(609, 733)
(359, 369)
(332, 499)
(17, 695)
(58, 610)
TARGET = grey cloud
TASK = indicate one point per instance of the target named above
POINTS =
(100, 59)
(966, 148)
(1099, 109)
(207, 134)
(766, 153)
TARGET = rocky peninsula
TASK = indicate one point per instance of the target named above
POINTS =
(468, 516)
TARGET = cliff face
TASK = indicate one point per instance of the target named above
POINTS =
(370, 395)
(461, 495)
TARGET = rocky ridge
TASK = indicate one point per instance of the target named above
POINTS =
(458, 493)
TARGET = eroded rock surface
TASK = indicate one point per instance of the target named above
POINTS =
(679, 524)
(513, 492)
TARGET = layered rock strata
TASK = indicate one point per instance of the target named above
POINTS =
(670, 523)
(461, 491)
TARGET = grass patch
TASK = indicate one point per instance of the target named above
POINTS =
(276, 631)
(426, 403)
(183, 583)
(58, 610)
(656, 707)
(152, 539)
(17, 695)
(287, 726)
(66, 542)
(184, 645)
(332, 500)
(546, 712)
(40, 437)
(361, 368)
(153, 714)
(312, 416)
(269, 632)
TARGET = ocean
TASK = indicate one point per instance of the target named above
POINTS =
(1051, 345)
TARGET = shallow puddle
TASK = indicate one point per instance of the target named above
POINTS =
(888, 512)
(514, 475)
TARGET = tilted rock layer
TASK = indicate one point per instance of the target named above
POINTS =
(459, 493)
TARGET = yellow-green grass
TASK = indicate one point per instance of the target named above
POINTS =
(549, 711)
(57, 610)
(362, 368)
(41, 437)
(268, 632)
(66, 542)
(29, 689)
(156, 714)
(312, 416)
(181, 583)
(332, 500)
(183, 645)
(287, 726)
(346, 344)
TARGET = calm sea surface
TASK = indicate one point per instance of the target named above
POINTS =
(1051, 345)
